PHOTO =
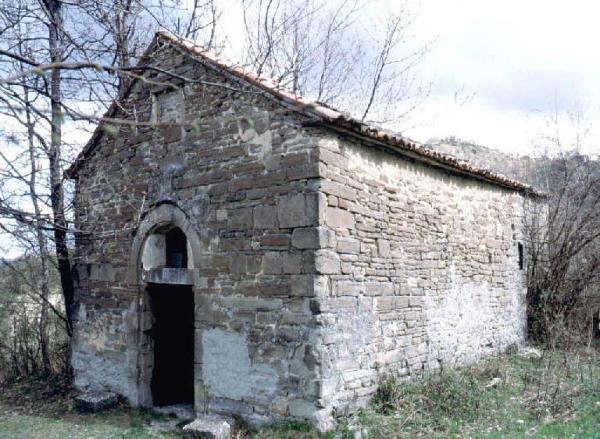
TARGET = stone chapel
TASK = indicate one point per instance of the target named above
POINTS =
(248, 252)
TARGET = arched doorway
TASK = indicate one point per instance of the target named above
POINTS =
(172, 309)
(166, 249)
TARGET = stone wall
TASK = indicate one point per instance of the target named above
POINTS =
(319, 264)
(426, 271)
(242, 174)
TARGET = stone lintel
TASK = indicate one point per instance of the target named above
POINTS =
(174, 276)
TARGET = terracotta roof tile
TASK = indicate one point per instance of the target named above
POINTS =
(329, 117)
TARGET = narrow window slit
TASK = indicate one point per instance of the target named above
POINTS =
(521, 256)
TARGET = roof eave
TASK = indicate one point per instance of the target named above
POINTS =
(409, 150)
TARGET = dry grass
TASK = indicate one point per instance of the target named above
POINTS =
(554, 395)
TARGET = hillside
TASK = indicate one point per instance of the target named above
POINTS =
(517, 167)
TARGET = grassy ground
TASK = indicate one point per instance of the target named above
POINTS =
(44, 409)
(557, 395)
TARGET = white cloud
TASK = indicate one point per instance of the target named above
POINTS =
(522, 60)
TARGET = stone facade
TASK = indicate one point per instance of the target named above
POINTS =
(320, 260)
(426, 270)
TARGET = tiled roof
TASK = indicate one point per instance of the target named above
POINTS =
(327, 116)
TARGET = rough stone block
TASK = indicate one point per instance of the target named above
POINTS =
(304, 238)
(332, 158)
(240, 218)
(316, 202)
(322, 286)
(335, 304)
(348, 288)
(383, 248)
(418, 301)
(302, 285)
(339, 218)
(348, 245)
(379, 288)
(292, 263)
(265, 217)
(339, 190)
(207, 427)
(279, 241)
(312, 237)
(237, 263)
(327, 262)
(384, 304)
(291, 211)
(282, 263)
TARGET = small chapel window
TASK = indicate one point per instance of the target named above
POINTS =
(176, 248)
(167, 106)
(521, 256)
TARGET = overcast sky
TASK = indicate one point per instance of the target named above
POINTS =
(520, 62)
(502, 69)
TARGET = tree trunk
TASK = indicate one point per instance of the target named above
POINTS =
(122, 10)
(54, 8)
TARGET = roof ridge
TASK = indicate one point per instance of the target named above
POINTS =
(332, 117)
(268, 84)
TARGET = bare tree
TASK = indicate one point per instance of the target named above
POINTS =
(330, 52)
(35, 222)
(565, 245)
(54, 21)
(42, 242)
(58, 60)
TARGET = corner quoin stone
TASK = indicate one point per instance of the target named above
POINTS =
(299, 210)
(327, 262)
(313, 238)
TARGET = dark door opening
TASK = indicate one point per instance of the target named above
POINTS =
(173, 332)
